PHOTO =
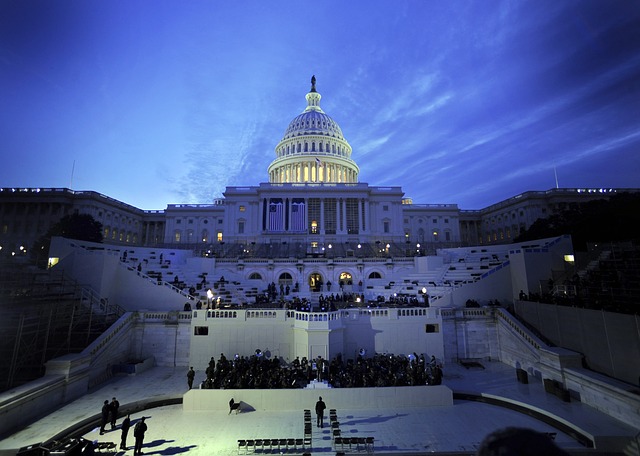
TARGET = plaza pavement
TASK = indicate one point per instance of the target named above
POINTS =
(456, 429)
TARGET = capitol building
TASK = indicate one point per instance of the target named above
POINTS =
(316, 264)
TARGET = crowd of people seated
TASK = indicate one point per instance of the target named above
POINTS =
(258, 371)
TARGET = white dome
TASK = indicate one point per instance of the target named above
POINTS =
(313, 148)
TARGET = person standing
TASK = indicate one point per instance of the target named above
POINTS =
(105, 416)
(113, 408)
(320, 407)
(126, 424)
(190, 376)
(138, 433)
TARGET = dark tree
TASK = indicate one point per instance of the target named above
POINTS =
(82, 227)
(615, 219)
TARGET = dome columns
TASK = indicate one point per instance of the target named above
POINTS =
(312, 172)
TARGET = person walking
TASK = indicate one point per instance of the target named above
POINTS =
(126, 424)
(113, 410)
(320, 407)
(105, 416)
(138, 433)
(190, 376)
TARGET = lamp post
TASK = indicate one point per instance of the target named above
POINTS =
(425, 296)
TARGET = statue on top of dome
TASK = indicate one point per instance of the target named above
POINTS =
(313, 83)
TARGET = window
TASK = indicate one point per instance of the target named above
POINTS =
(177, 235)
(190, 221)
(386, 226)
(255, 276)
(200, 330)
(385, 208)
(242, 208)
(432, 328)
(240, 226)
(178, 221)
(446, 220)
(435, 220)
(219, 237)
(375, 275)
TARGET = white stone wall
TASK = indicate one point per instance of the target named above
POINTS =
(164, 336)
(288, 334)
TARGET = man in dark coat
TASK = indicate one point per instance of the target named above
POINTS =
(138, 433)
(126, 424)
(105, 416)
(113, 409)
(191, 374)
(320, 407)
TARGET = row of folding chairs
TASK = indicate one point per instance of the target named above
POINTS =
(334, 424)
(354, 443)
(307, 424)
(246, 446)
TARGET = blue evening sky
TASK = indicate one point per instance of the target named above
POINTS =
(457, 101)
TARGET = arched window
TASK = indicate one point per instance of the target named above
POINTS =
(346, 278)
(285, 279)
(255, 276)
(375, 275)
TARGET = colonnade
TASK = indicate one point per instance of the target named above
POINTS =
(312, 171)
(356, 223)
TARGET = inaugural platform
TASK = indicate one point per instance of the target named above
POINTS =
(299, 399)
